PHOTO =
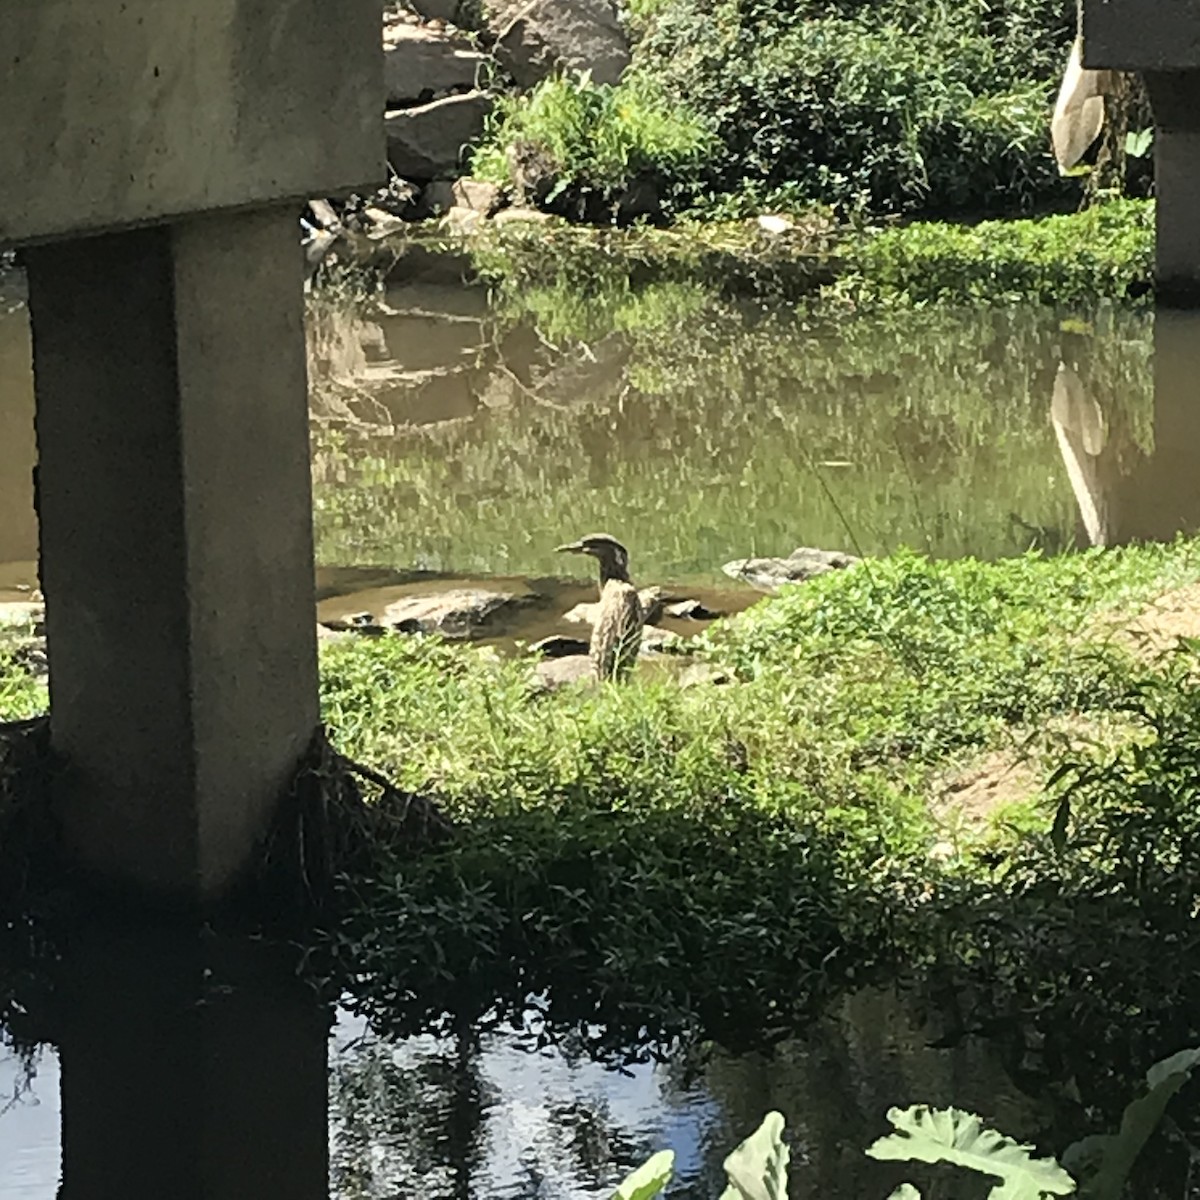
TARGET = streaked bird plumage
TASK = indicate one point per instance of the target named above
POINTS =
(617, 633)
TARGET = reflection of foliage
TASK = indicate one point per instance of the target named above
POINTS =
(709, 429)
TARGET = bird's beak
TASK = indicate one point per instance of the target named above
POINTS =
(572, 547)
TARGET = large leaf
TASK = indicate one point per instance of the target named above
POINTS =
(949, 1135)
(757, 1169)
(649, 1179)
(1111, 1156)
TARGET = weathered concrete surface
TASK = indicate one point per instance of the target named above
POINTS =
(1140, 35)
(118, 112)
(429, 142)
(18, 525)
(176, 539)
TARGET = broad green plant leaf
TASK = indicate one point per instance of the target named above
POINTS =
(1139, 142)
(950, 1135)
(757, 1169)
(649, 1179)
(1111, 1156)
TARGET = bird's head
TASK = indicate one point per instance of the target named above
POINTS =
(612, 556)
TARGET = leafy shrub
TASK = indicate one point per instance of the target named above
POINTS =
(595, 140)
(849, 104)
(1106, 251)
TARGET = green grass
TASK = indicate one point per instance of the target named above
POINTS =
(658, 860)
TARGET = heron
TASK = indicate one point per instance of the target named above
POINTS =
(617, 633)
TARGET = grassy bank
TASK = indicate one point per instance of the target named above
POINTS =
(660, 860)
(1104, 252)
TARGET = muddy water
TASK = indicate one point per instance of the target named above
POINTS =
(461, 433)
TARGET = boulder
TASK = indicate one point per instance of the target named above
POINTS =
(690, 610)
(438, 10)
(427, 142)
(550, 674)
(458, 613)
(477, 195)
(420, 64)
(558, 646)
(536, 38)
(802, 564)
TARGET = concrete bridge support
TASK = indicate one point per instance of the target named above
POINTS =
(1161, 39)
(153, 163)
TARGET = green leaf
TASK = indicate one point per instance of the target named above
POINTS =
(1139, 142)
(757, 1169)
(649, 1179)
(1062, 821)
(1116, 1153)
(950, 1135)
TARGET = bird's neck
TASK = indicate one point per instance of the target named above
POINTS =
(612, 571)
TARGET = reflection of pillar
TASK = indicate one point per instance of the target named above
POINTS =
(193, 1067)
(1079, 427)
(1160, 497)
(18, 527)
(176, 539)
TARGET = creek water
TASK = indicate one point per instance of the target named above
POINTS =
(461, 433)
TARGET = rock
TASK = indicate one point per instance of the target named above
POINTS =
(463, 220)
(437, 199)
(382, 223)
(553, 673)
(323, 215)
(558, 646)
(803, 563)
(515, 216)
(427, 142)
(419, 65)
(703, 674)
(690, 610)
(438, 10)
(536, 38)
(458, 613)
(477, 195)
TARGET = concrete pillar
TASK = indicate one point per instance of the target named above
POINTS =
(176, 540)
(192, 1067)
(1161, 39)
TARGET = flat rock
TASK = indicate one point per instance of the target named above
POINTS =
(537, 38)
(420, 64)
(458, 613)
(427, 142)
(552, 673)
(477, 195)
(805, 562)
(519, 215)
(690, 610)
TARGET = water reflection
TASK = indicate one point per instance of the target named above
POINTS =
(189, 1064)
(1131, 483)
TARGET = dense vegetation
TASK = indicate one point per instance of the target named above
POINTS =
(897, 106)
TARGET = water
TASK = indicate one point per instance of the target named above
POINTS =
(489, 1119)
(463, 434)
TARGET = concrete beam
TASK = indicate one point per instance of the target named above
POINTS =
(176, 539)
(122, 112)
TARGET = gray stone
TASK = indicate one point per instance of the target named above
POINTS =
(536, 38)
(802, 564)
(690, 610)
(428, 142)
(558, 646)
(437, 199)
(550, 674)
(477, 195)
(438, 10)
(420, 64)
(458, 613)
